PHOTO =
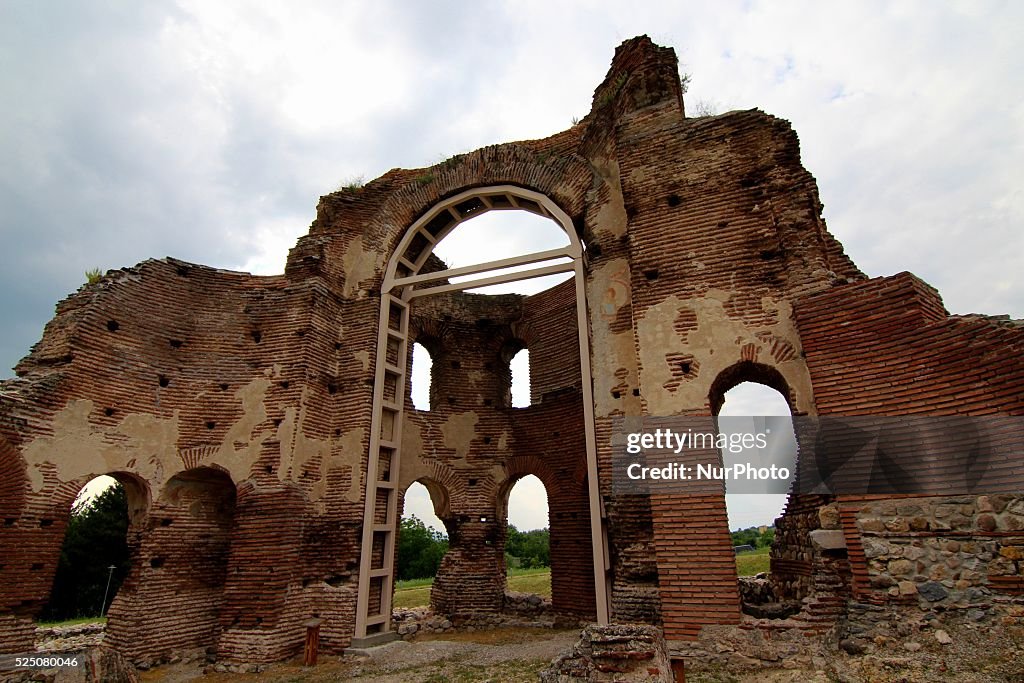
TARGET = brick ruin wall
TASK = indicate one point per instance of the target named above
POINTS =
(887, 346)
(237, 409)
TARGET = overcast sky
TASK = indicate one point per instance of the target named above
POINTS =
(207, 130)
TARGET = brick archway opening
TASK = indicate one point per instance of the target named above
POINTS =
(94, 564)
(182, 564)
(475, 337)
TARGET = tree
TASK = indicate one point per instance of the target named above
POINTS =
(96, 539)
(420, 549)
(532, 548)
(753, 537)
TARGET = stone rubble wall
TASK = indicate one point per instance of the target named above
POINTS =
(942, 550)
(617, 652)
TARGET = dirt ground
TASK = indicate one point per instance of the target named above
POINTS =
(498, 655)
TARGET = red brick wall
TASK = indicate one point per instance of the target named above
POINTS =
(887, 347)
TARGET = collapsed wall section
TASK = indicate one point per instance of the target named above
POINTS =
(170, 368)
(901, 353)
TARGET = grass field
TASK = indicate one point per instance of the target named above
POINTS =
(73, 622)
(416, 592)
(752, 562)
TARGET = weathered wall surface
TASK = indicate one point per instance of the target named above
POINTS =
(887, 346)
(237, 409)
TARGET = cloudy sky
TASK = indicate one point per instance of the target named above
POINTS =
(207, 130)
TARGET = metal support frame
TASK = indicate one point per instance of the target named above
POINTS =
(401, 279)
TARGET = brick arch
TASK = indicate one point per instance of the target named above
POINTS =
(430, 334)
(565, 178)
(181, 563)
(572, 587)
(202, 473)
(518, 467)
(748, 371)
(137, 489)
(440, 493)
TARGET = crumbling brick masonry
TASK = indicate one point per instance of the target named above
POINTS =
(264, 431)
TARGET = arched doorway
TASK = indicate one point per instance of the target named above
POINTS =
(411, 275)
(752, 515)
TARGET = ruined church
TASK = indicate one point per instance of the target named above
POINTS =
(263, 427)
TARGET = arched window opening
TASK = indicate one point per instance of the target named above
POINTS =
(528, 539)
(420, 504)
(95, 557)
(520, 367)
(419, 377)
(422, 544)
(503, 234)
(752, 516)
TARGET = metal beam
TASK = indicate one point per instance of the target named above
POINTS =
(493, 280)
(536, 257)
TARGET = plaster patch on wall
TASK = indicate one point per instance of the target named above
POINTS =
(359, 264)
(608, 291)
(412, 465)
(240, 449)
(345, 451)
(796, 373)
(458, 430)
(716, 342)
(148, 442)
(364, 359)
(611, 217)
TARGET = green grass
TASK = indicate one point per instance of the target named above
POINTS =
(418, 596)
(752, 562)
(414, 583)
(73, 622)
(416, 592)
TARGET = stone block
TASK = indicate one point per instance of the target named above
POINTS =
(828, 539)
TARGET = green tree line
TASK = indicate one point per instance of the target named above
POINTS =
(753, 537)
(420, 549)
(96, 539)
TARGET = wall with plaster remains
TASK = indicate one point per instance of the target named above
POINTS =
(238, 408)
